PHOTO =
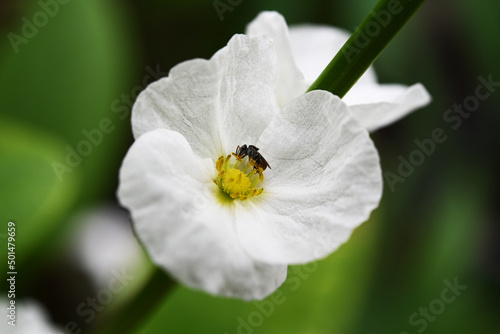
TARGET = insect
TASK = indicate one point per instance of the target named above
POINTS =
(253, 154)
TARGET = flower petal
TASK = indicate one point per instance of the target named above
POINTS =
(325, 180)
(376, 106)
(314, 46)
(170, 195)
(226, 100)
(98, 254)
(373, 105)
(31, 318)
(290, 81)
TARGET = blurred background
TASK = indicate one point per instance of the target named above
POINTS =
(68, 79)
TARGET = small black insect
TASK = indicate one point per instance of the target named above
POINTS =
(253, 154)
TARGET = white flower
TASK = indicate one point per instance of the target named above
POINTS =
(200, 212)
(30, 318)
(303, 53)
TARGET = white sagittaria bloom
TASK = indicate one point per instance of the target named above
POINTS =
(226, 188)
(304, 51)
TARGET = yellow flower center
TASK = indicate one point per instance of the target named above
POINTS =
(237, 177)
(235, 181)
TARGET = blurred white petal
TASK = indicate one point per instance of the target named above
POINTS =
(30, 318)
(104, 243)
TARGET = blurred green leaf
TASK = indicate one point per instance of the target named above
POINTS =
(452, 218)
(66, 78)
(30, 193)
(452, 249)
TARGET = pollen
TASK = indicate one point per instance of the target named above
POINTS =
(238, 178)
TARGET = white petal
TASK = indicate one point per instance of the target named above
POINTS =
(325, 180)
(315, 46)
(311, 48)
(290, 81)
(224, 101)
(31, 318)
(170, 194)
(98, 253)
(376, 106)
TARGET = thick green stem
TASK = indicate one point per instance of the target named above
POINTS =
(365, 45)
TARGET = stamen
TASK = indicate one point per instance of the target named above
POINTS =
(237, 177)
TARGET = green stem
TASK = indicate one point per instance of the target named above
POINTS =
(136, 311)
(365, 45)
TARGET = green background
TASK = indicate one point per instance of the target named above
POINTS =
(89, 61)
